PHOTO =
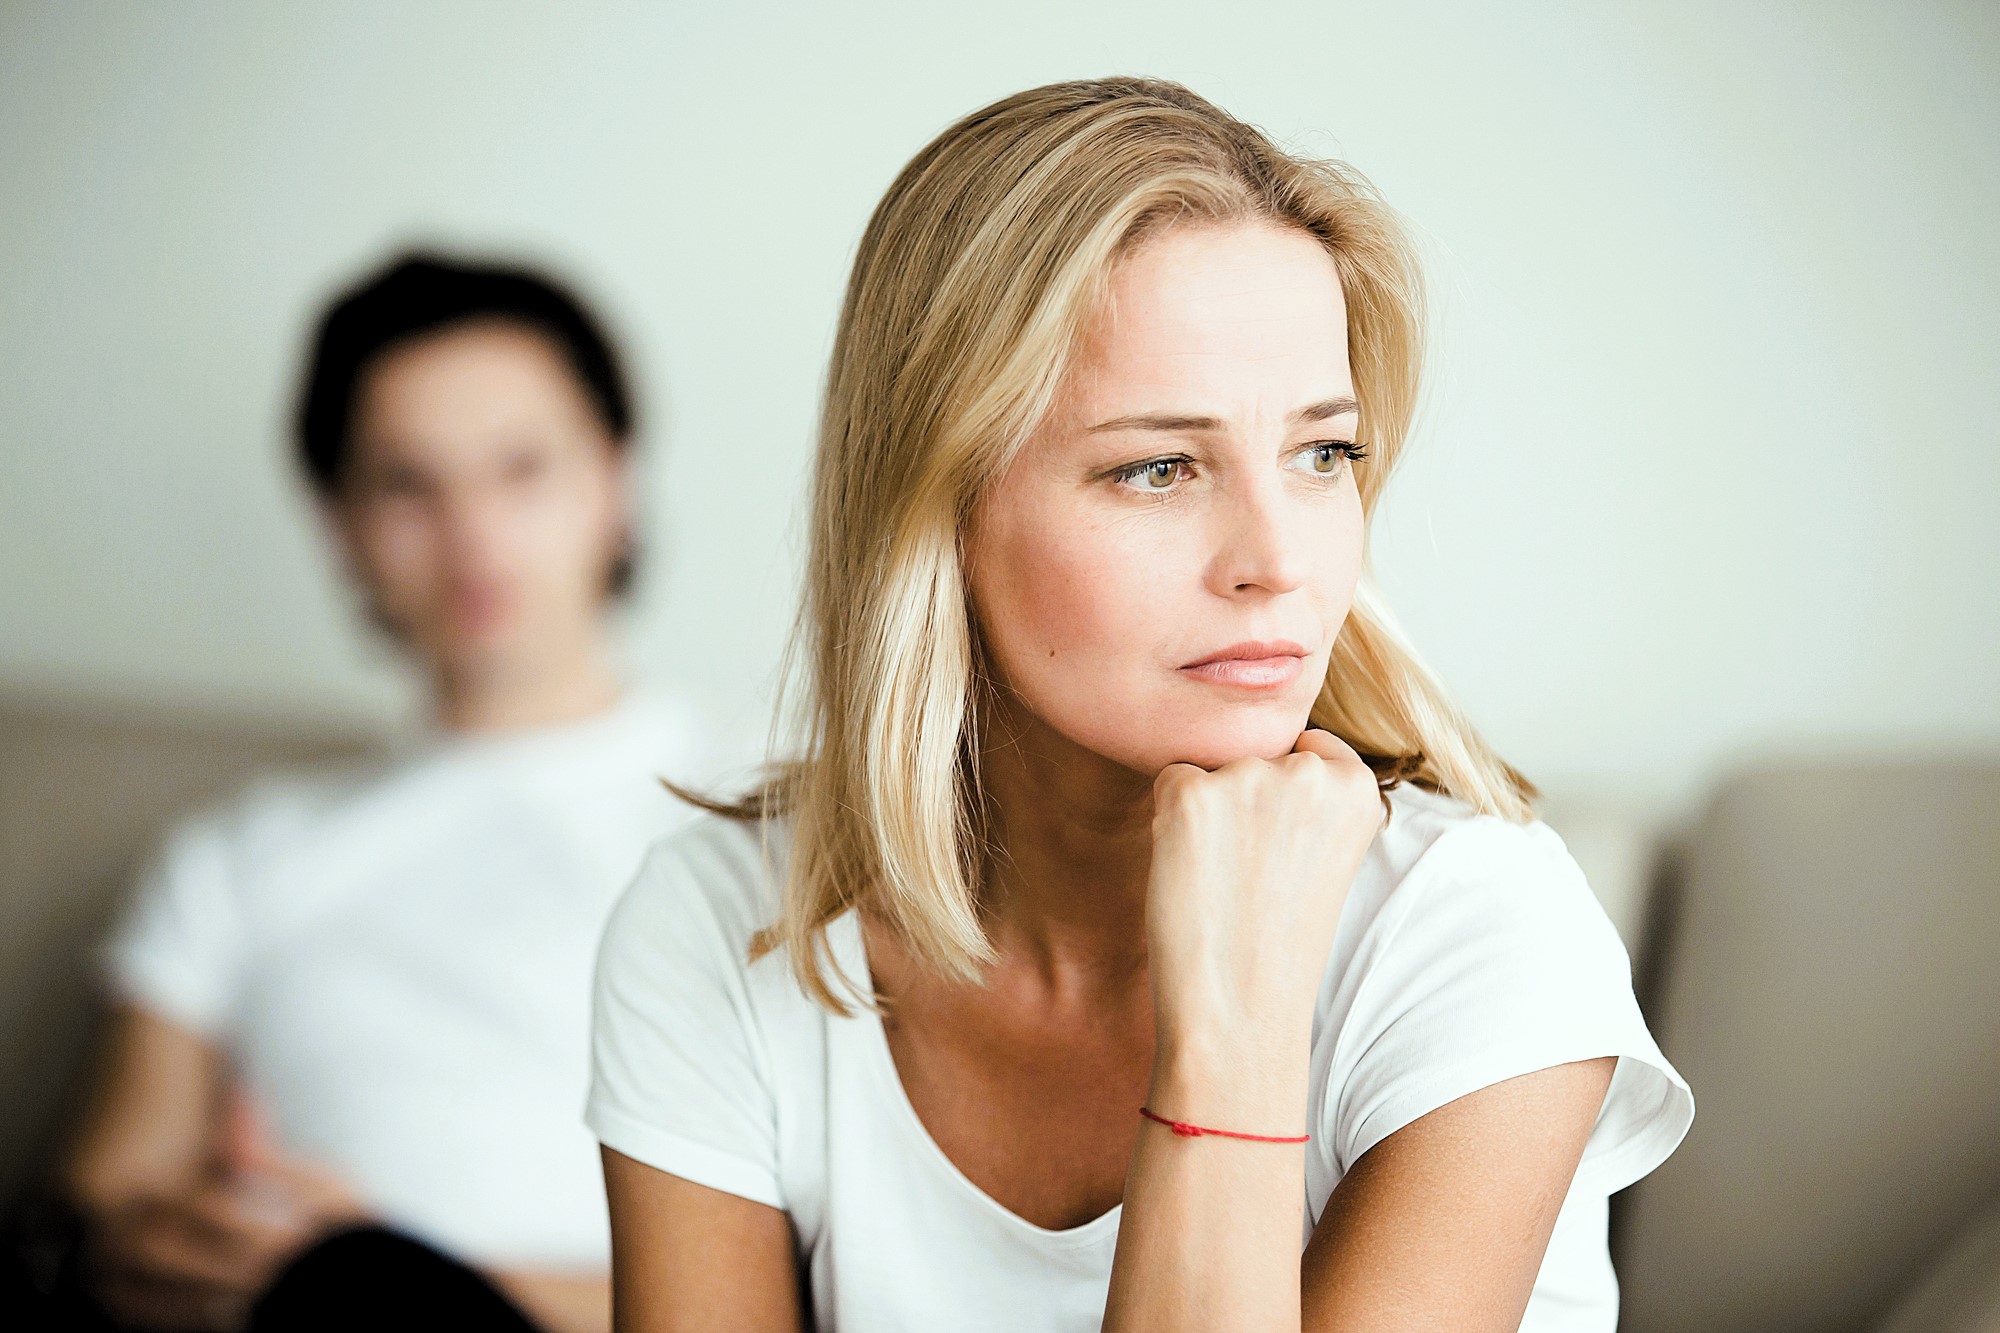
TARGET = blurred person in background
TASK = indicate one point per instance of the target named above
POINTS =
(350, 1035)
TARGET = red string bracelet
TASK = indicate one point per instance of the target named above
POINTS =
(1188, 1131)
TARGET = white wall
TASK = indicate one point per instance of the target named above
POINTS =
(1710, 468)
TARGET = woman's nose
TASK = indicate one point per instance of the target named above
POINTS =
(1260, 541)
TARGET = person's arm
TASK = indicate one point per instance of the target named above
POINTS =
(1445, 1224)
(1442, 1224)
(683, 1097)
(689, 1258)
(177, 1236)
(147, 1124)
(1251, 866)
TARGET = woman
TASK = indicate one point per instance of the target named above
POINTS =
(362, 996)
(1202, 928)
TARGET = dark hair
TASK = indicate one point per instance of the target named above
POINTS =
(417, 294)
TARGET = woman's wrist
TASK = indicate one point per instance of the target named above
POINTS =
(1226, 1031)
(1253, 1082)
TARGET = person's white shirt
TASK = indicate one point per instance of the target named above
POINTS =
(1470, 950)
(395, 956)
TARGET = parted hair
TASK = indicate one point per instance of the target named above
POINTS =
(974, 280)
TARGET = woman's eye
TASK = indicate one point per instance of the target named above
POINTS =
(1328, 457)
(1155, 474)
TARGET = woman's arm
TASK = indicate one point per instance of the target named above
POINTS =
(1443, 1224)
(1251, 866)
(1444, 1229)
(687, 1257)
(1209, 1238)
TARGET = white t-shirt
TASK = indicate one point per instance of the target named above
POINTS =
(396, 956)
(1470, 950)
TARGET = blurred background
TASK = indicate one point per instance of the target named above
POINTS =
(1698, 526)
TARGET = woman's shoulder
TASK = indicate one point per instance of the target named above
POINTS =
(709, 886)
(1440, 858)
(1474, 951)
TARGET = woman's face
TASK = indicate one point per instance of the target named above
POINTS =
(484, 501)
(1189, 500)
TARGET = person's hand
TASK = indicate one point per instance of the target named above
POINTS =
(1251, 867)
(283, 1190)
(197, 1258)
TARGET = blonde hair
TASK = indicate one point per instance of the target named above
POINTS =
(973, 282)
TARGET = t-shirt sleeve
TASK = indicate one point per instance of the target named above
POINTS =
(1497, 961)
(179, 949)
(678, 1077)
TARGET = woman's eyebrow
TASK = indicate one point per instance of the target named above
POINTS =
(1327, 410)
(1183, 424)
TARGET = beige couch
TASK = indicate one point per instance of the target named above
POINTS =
(1819, 953)
(1825, 970)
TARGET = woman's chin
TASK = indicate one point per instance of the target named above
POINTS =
(1213, 748)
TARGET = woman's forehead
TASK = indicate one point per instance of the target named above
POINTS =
(1200, 319)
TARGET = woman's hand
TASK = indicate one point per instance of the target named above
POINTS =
(1251, 867)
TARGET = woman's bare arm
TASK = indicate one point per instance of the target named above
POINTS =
(686, 1257)
(1442, 1225)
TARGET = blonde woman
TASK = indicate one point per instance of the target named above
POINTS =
(1142, 942)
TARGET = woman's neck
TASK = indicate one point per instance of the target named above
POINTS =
(1072, 833)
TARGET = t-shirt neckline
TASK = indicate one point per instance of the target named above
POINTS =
(882, 1062)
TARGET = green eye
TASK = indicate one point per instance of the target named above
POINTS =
(1155, 474)
(1328, 458)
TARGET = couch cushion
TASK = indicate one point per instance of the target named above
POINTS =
(1828, 986)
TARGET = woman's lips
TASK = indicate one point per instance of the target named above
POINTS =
(1257, 666)
(1257, 673)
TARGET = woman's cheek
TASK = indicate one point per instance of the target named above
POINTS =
(1077, 619)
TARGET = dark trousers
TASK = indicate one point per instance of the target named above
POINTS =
(367, 1279)
(382, 1281)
